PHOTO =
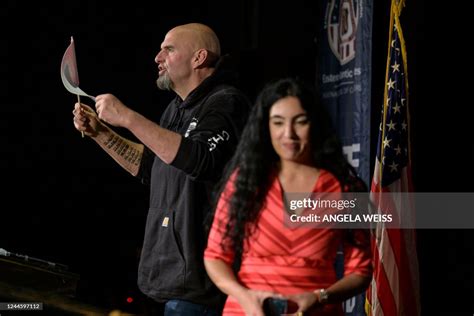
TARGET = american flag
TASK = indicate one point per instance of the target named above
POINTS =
(395, 285)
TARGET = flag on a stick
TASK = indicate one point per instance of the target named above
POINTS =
(69, 74)
(394, 290)
(69, 66)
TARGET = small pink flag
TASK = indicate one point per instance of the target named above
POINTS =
(69, 74)
(69, 66)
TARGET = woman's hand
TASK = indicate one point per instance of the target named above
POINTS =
(304, 300)
(251, 301)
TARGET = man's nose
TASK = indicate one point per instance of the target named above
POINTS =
(159, 57)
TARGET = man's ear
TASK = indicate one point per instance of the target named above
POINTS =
(200, 58)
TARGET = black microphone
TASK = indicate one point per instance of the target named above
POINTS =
(33, 260)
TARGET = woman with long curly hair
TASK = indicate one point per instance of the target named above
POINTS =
(288, 145)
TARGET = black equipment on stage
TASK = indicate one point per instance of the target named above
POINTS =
(29, 279)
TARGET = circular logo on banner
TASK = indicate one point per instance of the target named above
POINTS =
(342, 19)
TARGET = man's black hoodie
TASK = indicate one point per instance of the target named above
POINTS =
(210, 120)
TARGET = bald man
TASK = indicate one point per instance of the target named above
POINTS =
(181, 158)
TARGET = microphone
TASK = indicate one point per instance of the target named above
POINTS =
(33, 260)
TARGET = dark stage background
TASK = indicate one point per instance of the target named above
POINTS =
(64, 200)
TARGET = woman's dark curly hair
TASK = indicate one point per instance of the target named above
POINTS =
(255, 160)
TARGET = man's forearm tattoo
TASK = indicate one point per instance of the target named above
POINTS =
(111, 141)
(135, 157)
(124, 150)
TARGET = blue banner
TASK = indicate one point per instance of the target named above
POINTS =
(344, 75)
(344, 79)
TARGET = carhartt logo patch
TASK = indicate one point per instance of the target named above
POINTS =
(165, 221)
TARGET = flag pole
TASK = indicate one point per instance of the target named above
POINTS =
(78, 96)
(79, 101)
